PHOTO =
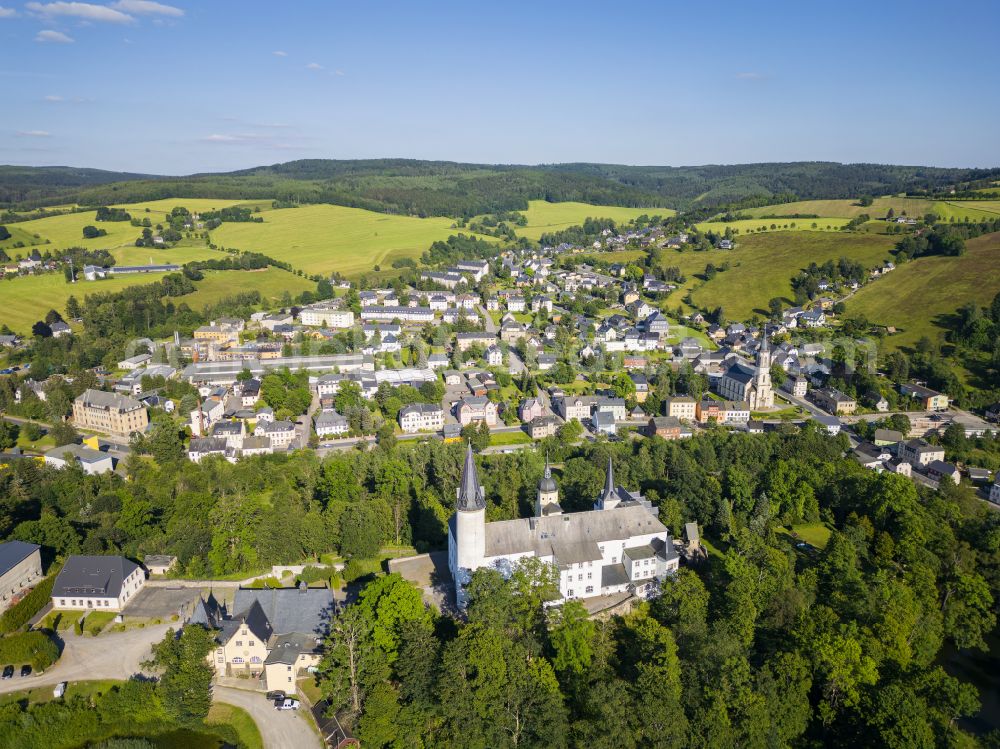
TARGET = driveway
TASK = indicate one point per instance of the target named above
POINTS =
(115, 655)
(280, 729)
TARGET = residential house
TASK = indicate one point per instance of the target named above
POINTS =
(494, 356)
(604, 423)
(541, 427)
(530, 408)
(281, 433)
(798, 386)
(667, 427)
(92, 462)
(834, 402)
(106, 583)
(203, 447)
(883, 437)
(931, 399)
(134, 362)
(276, 633)
(330, 423)
(573, 407)
(421, 417)
(109, 412)
(20, 569)
(475, 409)
(682, 407)
(159, 564)
(937, 469)
(919, 452)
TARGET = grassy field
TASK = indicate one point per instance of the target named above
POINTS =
(974, 210)
(816, 534)
(544, 217)
(61, 232)
(746, 226)
(762, 266)
(917, 296)
(160, 208)
(325, 238)
(26, 299)
(270, 282)
(230, 715)
(184, 252)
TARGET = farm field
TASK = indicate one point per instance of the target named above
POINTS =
(182, 253)
(917, 295)
(762, 266)
(17, 236)
(66, 231)
(25, 299)
(326, 238)
(270, 282)
(745, 226)
(958, 210)
(544, 217)
(160, 208)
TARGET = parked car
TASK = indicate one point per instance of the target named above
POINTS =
(8, 673)
(276, 695)
(25, 670)
(287, 704)
(60, 689)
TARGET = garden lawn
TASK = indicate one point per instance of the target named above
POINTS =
(762, 267)
(918, 296)
(327, 238)
(544, 217)
(229, 715)
(815, 534)
(500, 439)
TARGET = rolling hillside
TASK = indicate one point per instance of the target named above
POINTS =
(917, 296)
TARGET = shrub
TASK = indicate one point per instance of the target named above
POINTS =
(78, 626)
(34, 648)
(21, 613)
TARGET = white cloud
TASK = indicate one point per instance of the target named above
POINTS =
(147, 8)
(53, 36)
(339, 72)
(86, 11)
(279, 53)
(54, 97)
(314, 66)
(750, 76)
(33, 134)
(7, 12)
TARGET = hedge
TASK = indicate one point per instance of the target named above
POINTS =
(21, 613)
(28, 647)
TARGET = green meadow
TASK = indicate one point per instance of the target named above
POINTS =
(270, 282)
(26, 299)
(326, 238)
(848, 209)
(748, 226)
(918, 296)
(762, 266)
(544, 217)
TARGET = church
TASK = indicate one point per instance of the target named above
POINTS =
(618, 547)
(750, 384)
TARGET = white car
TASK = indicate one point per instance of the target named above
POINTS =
(286, 704)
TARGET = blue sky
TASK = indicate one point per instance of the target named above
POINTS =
(188, 87)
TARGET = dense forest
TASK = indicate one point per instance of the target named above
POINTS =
(439, 188)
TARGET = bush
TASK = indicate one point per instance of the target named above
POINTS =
(78, 626)
(34, 648)
(21, 613)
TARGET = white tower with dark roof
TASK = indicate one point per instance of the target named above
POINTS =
(547, 498)
(467, 550)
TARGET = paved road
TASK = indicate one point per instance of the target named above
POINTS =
(115, 655)
(280, 729)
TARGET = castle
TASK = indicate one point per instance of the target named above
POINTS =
(753, 386)
(619, 546)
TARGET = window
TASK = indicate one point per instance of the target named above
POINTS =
(590, 588)
(221, 659)
(590, 575)
(614, 560)
(569, 593)
(250, 643)
(579, 577)
(239, 643)
(237, 660)
(289, 668)
(255, 659)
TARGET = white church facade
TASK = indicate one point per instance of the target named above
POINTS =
(619, 546)
(751, 385)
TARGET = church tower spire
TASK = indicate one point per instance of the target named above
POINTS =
(547, 498)
(470, 493)
(609, 497)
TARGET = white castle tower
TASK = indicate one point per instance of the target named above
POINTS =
(467, 549)
(547, 498)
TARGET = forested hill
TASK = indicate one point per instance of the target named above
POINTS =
(442, 188)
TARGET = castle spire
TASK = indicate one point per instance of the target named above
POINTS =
(609, 482)
(470, 493)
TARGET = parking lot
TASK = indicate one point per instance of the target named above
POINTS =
(162, 603)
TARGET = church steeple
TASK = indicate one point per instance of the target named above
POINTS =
(470, 494)
(547, 498)
(609, 497)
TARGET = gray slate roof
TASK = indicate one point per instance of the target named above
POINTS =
(99, 576)
(288, 610)
(13, 553)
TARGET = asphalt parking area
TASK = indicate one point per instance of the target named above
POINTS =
(161, 603)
